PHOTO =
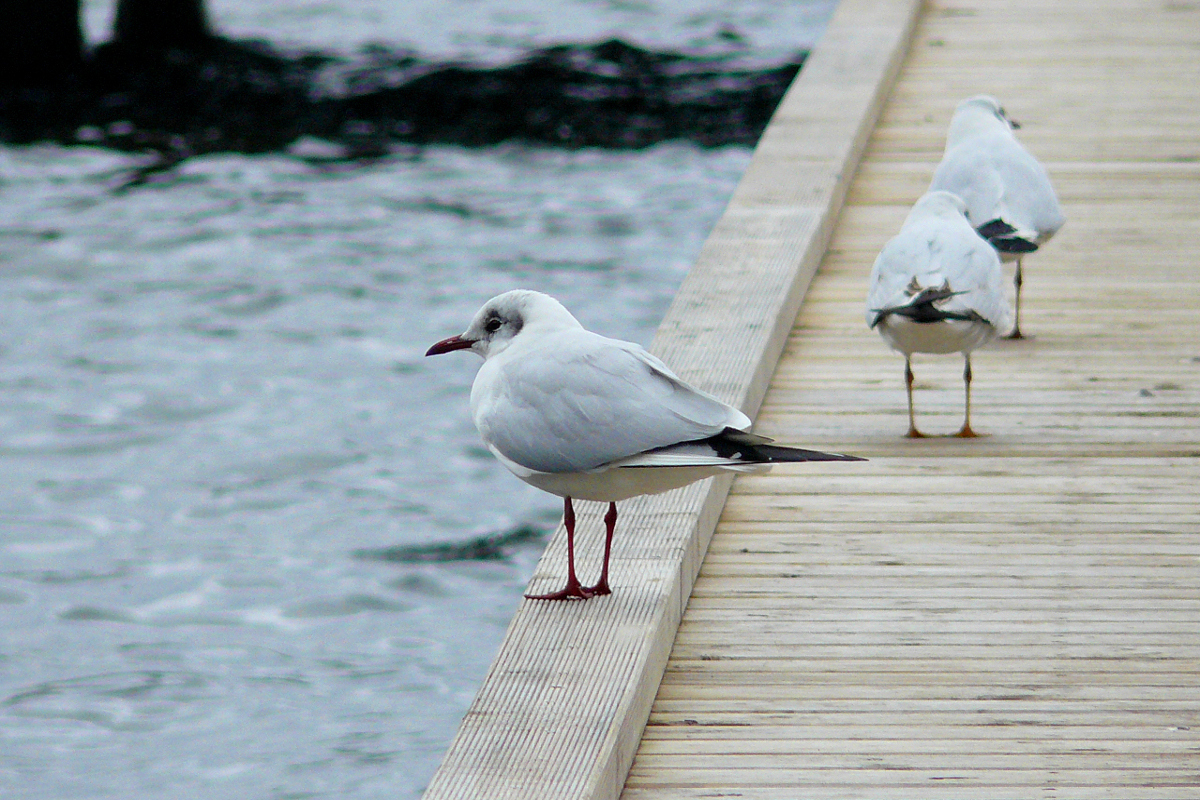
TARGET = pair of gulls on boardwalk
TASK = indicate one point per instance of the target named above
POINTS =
(936, 287)
(586, 417)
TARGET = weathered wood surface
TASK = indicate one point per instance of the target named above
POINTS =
(1014, 616)
(562, 708)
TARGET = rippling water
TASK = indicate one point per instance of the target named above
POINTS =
(214, 412)
(494, 30)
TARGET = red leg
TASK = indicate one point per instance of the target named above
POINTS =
(573, 589)
(610, 525)
(966, 432)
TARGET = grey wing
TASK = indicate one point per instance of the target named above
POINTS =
(969, 172)
(999, 179)
(973, 269)
(686, 401)
(904, 256)
(1029, 197)
(589, 401)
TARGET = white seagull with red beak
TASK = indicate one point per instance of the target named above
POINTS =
(586, 417)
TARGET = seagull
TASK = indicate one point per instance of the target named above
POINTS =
(1010, 201)
(936, 287)
(586, 417)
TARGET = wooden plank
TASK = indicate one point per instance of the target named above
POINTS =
(995, 673)
(1170, 738)
(799, 778)
(1106, 760)
(900, 723)
(936, 788)
(786, 745)
(562, 708)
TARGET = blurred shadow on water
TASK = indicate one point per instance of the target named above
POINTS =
(492, 546)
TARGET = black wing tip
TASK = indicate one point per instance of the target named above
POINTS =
(996, 227)
(926, 312)
(755, 449)
(1002, 236)
(742, 437)
(1013, 245)
(778, 454)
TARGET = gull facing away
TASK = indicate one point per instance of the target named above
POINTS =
(586, 417)
(936, 287)
(1010, 201)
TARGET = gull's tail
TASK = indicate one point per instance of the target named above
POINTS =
(922, 306)
(1006, 238)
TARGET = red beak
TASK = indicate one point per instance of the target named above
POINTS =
(448, 345)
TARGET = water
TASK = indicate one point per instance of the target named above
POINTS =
(490, 30)
(214, 409)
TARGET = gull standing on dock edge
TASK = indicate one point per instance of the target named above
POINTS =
(1010, 201)
(936, 287)
(583, 416)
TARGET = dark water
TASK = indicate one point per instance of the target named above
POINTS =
(250, 545)
(499, 31)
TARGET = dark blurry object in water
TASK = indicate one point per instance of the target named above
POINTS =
(41, 44)
(159, 24)
(209, 94)
(492, 547)
(610, 94)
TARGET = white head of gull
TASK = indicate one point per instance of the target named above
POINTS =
(936, 287)
(1008, 195)
(586, 417)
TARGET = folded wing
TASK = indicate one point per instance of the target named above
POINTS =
(586, 401)
(1005, 188)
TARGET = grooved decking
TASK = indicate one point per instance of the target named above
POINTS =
(1010, 617)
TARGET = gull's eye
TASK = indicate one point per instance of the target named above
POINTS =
(493, 325)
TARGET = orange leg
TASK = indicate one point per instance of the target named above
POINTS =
(913, 433)
(966, 432)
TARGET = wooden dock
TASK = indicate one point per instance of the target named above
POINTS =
(1011, 617)
(1007, 617)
